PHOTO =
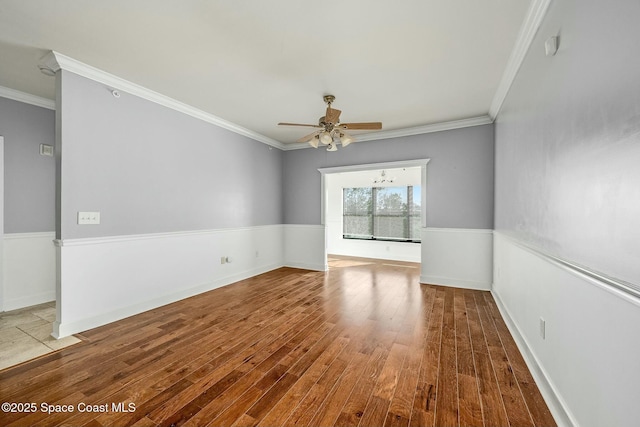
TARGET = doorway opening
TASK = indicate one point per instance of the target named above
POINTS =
(375, 210)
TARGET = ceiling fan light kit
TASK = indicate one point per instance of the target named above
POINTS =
(331, 130)
(326, 138)
(314, 141)
(345, 139)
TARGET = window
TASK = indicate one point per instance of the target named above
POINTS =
(381, 213)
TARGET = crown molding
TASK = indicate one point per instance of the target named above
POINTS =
(27, 98)
(430, 128)
(56, 61)
(532, 21)
(416, 130)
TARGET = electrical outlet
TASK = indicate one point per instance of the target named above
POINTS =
(46, 150)
(542, 328)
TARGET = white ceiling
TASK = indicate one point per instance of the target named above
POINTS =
(256, 63)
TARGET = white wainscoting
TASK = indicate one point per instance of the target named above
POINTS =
(29, 261)
(457, 257)
(395, 251)
(102, 280)
(587, 366)
(304, 247)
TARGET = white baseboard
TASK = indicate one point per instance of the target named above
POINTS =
(29, 265)
(458, 257)
(458, 283)
(307, 266)
(28, 301)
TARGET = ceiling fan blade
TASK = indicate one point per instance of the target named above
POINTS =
(332, 115)
(309, 137)
(361, 126)
(299, 124)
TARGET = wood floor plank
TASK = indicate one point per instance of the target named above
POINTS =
(306, 409)
(362, 344)
(493, 410)
(214, 407)
(515, 406)
(230, 368)
(330, 409)
(353, 361)
(244, 421)
(309, 349)
(446, 411)
(376, 410)
(388, 379)
(232, 413)
(470, 410)
(424, 405)
(256, 376)
(262, 406)
(354, 407)
(144, 422)
(535, 402)
(414, 334)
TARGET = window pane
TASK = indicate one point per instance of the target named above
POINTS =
(385, 213)
(357, 218)
(390, 218)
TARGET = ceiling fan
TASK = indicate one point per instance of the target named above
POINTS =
(331, 131)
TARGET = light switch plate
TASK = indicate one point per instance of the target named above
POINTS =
(88, 218)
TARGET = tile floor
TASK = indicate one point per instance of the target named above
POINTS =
(26, 334)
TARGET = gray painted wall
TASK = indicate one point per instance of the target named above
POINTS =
(150, 169)
(568, 140)
(459, 175)
(29, 178)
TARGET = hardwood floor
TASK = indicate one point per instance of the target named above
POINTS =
(364, 344)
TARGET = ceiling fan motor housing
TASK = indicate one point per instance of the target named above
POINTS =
(328, 99)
